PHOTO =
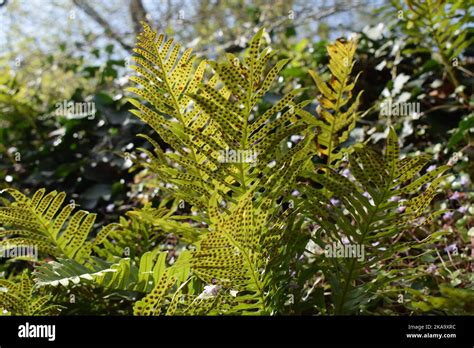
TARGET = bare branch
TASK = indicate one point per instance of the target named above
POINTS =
(91, 12)
(138, 14)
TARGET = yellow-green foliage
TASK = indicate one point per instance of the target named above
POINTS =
(337, 109)
(232, 263)
(444, 22)
(232, 254)
(43, 222)
(202, 119)
(369, 215)
(19, 299)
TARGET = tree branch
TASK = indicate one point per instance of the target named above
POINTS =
(91, 12)
(138, 14)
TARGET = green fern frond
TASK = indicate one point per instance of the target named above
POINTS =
(337, 108)
(202, 122)
(369, 216)
(166, 77)
(443, 23)
(67, 272)
(43, 222)
(441, 28)
(123, 274)
(20, 299)
(230, 259)
(164, 220)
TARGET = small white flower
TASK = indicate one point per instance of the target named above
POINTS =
(210, 291)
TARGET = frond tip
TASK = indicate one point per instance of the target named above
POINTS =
(337, 108)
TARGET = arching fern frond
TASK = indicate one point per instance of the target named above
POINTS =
(43, 222)
(123, 274)
(145, 228)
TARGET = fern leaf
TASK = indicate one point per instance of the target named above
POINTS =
(36, 223)
(335, 120)
(369, 216)
(210, 118)
(21, 299)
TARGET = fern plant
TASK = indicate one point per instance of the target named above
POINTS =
(368, 218)
(232, 259)
(219, 120)
(441, 28)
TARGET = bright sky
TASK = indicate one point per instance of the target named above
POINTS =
(46, 22)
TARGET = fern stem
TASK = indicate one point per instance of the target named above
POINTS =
(336, 113)
(248, 109)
